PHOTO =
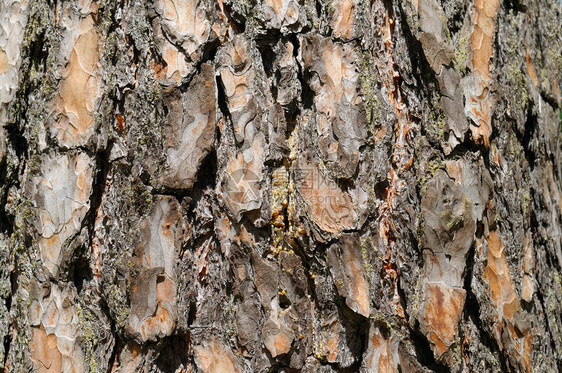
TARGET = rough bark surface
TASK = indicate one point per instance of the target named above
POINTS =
(280, 186)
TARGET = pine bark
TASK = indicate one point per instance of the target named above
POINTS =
(280, 186)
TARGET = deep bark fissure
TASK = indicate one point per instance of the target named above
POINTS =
(547, 321)
(530, 125)
(352, 66)
(472, 311)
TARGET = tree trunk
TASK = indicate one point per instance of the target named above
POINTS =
(280, 186)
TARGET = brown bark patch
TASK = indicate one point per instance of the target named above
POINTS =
(80, 88)
(479, 102)
(215, 357)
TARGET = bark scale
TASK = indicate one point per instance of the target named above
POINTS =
(280, 186)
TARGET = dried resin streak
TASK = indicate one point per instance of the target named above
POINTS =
(280, 186)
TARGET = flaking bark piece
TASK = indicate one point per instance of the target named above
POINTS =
(190, 129)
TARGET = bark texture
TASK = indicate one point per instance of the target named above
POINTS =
(280, 186)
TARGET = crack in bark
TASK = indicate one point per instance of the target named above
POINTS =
(21, 143)
(472, 311)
